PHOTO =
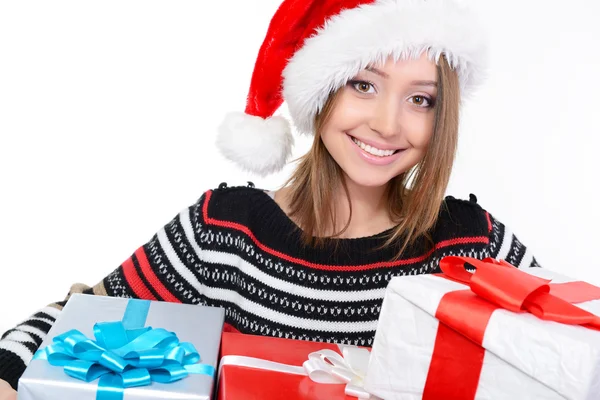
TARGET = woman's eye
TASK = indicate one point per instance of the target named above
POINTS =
(420, 100)
(362, 86)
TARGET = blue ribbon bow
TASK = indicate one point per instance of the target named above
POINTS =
(124, 354)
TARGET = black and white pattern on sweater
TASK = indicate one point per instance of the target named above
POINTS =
(237, 254)
(18, 345)
(32, 331)
(252, 324)
(247, 255)
(179, 286)
(432, 265)
(504, 245)
(517, 252)
(116, 281)
(226, 277)
(496, 237)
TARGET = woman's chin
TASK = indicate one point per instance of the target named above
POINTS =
(368, 180)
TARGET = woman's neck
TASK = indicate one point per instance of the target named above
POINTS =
(370, 213)
(369, 210)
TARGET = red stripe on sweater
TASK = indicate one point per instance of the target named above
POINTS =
(135, 282)
(489, 220)
(364, 267)
(152, 278)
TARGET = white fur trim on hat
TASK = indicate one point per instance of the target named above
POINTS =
(357, 37)
(261, 146)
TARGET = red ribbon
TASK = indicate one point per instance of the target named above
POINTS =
(458, 357)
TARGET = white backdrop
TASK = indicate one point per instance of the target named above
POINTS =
(108, 113)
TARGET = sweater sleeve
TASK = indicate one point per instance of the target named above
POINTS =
(149, 273)
(503, 244)
(17, 345)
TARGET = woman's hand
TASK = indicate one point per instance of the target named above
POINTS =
(7, 392)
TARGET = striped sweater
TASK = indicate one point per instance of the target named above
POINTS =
(236, 248)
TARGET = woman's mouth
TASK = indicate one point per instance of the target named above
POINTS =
(372, 150)
(373, 155)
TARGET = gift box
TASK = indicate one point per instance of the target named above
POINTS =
(109, 348)
(259, 367)
(497, 333)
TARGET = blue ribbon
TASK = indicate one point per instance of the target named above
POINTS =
(125, 354)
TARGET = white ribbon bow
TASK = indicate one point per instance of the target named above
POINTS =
(327, 366)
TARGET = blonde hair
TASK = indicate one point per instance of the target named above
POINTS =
(415, 210)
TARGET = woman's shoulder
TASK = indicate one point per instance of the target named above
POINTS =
(454, 203)
(235, 202)
(462, 218)
(236, 193)
(466, 221)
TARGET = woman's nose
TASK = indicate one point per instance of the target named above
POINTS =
(386, 118)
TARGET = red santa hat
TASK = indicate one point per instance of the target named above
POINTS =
(313, 47)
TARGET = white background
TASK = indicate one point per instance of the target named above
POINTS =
(108, 114)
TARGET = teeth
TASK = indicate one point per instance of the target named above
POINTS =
(373, 150)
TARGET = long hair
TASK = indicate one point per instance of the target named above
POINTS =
(414, 197)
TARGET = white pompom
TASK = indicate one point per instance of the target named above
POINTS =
(258, 145)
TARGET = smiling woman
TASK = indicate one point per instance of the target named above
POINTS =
(377, 85)
(366, 202)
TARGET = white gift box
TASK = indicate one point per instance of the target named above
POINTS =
(523, 356)
(198, 325)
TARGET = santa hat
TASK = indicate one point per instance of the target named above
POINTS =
(313, 47)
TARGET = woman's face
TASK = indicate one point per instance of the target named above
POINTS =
(383, 120)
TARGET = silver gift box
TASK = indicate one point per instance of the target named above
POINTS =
(201, 326)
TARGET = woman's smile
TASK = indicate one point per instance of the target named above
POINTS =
(373, 155)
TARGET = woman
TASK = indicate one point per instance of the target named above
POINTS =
(379, 84)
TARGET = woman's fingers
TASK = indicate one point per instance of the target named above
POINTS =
(6, 391)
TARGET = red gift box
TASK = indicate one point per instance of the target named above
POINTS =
(258, 383)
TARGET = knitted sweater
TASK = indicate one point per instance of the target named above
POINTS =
(235, 248)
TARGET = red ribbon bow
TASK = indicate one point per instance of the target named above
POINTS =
(464, 314)
(513, 289)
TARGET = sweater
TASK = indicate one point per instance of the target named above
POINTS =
(236, 248)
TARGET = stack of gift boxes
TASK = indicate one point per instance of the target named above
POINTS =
(497, 333)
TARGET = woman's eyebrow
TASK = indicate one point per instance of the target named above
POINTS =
(378, 72)
(424, 83)
(413, 83)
